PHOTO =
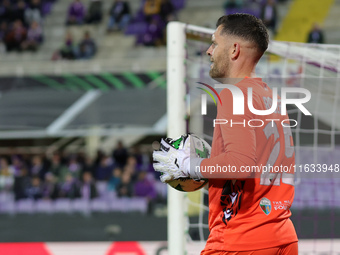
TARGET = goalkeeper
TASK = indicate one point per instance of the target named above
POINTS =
(248, 212)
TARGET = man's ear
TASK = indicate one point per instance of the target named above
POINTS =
(235, 53)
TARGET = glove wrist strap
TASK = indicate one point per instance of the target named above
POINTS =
(194, 169)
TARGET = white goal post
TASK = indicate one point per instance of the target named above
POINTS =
(176, 126)
(176, 114)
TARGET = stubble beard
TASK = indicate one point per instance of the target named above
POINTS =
(218, 72)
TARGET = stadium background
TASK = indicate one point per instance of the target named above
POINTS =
(74, 109)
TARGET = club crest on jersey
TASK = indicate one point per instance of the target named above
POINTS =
(266, 205)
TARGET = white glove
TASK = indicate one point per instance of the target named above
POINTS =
(174, 159)
(170, 159)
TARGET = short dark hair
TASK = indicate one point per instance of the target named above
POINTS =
(247, 27)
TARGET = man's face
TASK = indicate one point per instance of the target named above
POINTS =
(219, 55)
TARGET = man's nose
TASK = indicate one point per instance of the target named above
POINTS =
(208, 52)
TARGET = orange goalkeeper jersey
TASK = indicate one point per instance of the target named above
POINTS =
(251, 170)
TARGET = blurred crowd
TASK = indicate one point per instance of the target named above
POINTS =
(21, 23)
(155, 14)
(126, 173)
(267, 11)
(85, 49)
(263, 9)
(148, 24)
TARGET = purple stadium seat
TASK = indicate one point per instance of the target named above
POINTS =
(120, 205)
(233, 11)
(129, 204)
(25, 206)
(44, 206)
(46, 8)
(336, 201)
(110, 196)
(63, 205)
(81, 205)
(101, 188)
(298, 203)
(8, 207)
(100, 205)
(178, 4)
(140, 17)
(136, 28)
(253, 11)
(6, 196)
(139, 39)
(161, 189)
(138, 204)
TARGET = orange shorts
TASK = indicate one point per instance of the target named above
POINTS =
(288, 249)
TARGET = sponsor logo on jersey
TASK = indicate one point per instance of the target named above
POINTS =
(266, 205)
(281, 205)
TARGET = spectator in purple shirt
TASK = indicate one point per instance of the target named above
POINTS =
(154, 34)
(34, 37)
(69, 188)
(49, 187)
(18, 165)
(88, 188)
(145, 188)
(76, 13)
(104, 170)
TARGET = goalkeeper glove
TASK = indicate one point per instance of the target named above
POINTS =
(176, 159)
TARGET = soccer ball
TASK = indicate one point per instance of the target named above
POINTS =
(198, 148)
(187, 184)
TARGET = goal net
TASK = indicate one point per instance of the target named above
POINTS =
(316, 207)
